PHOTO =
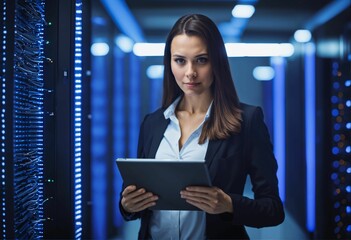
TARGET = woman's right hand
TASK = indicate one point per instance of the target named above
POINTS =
(136, 200)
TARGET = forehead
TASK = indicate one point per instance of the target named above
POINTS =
(188, 45)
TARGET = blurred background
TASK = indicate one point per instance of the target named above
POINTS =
(77, 78)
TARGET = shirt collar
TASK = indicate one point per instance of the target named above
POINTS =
(170, 111)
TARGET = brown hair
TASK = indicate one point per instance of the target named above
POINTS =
(225, 118)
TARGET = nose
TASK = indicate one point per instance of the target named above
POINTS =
(191, 72)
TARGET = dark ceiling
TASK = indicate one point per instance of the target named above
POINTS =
(273, 20)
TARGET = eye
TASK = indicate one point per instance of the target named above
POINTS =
(202, 60)
(179, 61)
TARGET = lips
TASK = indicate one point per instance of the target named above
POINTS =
(192, 84)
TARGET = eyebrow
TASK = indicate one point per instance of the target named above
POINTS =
(197, 56)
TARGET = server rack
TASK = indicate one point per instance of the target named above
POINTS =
(45, 163)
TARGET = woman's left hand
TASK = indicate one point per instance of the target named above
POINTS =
(209, 199)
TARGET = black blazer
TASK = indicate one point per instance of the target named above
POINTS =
(229, 162)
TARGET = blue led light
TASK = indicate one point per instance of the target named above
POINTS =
(78, 120)
(278, 63)
(347, 83)
(335, 164)
(310, 131)
(335, 112)
(334, 99)
(335, 150)
(336, 85)
(334, 176)
(119, 132)
(3, 119)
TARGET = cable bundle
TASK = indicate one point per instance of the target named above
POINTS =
(28, 119)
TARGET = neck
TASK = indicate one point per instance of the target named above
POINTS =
(195, 104)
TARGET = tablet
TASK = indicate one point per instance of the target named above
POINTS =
(165, 178)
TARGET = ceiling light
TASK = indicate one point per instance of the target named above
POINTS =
(259, 49)
(155, 71)
(302, 36)
(233, 49)
(243, 11)
(149, 49)
(263, 73)
(99, 49)
(124, 43)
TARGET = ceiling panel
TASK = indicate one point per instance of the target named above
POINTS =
(273, 20)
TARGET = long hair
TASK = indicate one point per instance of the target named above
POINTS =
(225, 118)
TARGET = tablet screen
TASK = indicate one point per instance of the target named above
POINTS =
(165, 178)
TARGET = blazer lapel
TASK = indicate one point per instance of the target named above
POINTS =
(212, 149)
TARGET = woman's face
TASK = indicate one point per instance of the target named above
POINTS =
(191, 65)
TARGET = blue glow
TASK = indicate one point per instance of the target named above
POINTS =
(119, 132)
(3, 42)
(99, 145)
(77, 121)
(99, 49)
(310, 131)
(348, 103)
(243, 11)
(348, 189)
(335, 112)
(348, 209)
(124, 19)
(335, 164)
(348, 149)
(348, 170)
(263, 73)
(233, 49)
(347, 83)
(302, 35)
(124, 43)
(155, 71)
(155, 99)
(278, 63)
(336, 85)
(336, 138)
(134, 105)
(327, 13)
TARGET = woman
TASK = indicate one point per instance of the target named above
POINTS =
(201, 118)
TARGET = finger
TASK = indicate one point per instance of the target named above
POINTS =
(200, 205)
(200, 189)
(128, 190)
(212, 203)
(146, 203)
(134, 194)
(200, 195)
(141, 203)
